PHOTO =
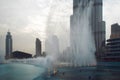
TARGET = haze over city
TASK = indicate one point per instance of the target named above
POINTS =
(30, 19)
(59, 39)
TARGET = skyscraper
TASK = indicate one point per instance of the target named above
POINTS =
(115, 31)
(97, 23)
(38, 48)
(112, 53)
(8, 45)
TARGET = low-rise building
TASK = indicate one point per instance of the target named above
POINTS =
(20, 55)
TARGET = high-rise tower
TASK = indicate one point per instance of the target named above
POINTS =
(8, 45)
(38, 48)
(96, 22)
(98, 25)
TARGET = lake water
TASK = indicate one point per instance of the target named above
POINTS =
(20, 71)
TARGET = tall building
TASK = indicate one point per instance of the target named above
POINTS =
(38, 48)
(8, 45)
(97, 23)
(113, 45)
(115, 31)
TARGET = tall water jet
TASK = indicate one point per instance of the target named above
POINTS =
(56, 28)
(52, 46)
(82, 40)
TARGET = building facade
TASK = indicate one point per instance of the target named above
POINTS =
(113, 50)
(38, 48)
(115, 31)
(113, 45)
(20, 55)
(96, 22)
(8, 45)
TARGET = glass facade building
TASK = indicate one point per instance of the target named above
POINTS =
(38, 48)
(8, 45)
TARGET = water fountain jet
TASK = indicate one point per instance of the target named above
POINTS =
(82, 40)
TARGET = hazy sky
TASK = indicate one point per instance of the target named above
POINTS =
(28, 19)
(111, 14)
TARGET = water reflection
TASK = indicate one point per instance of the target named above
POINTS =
(31, 72)
(86, 73)
(19, 71)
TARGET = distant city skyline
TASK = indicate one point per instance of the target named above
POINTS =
(28, 19)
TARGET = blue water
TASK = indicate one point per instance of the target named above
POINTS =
(20, 72)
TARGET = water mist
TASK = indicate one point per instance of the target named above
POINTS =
(81, 52)
(82, 40)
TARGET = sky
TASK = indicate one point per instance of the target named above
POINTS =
(111, 14)
(31, 19)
